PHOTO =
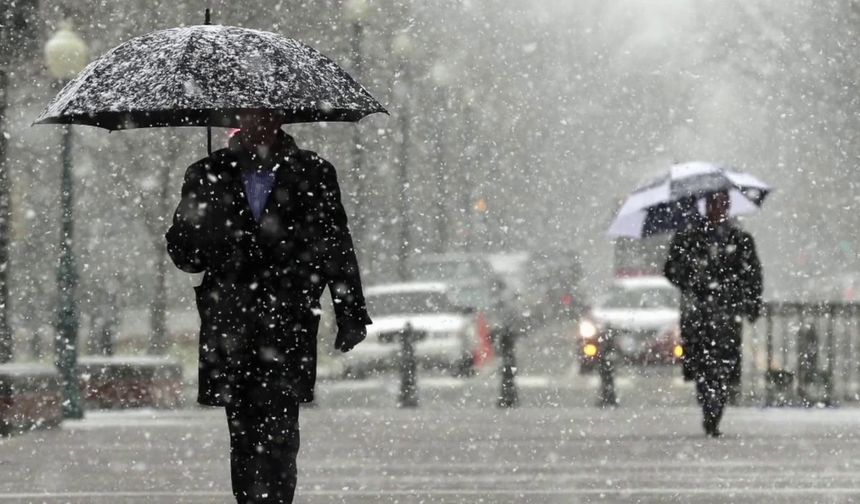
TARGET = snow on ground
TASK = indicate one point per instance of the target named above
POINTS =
(430, 455)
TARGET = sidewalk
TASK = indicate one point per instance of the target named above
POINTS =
(457, 455)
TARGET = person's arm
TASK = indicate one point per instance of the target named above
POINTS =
(752, 278)
(676, 269)
(187, 236)
(339, 262)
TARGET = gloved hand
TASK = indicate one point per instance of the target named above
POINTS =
(349, 335)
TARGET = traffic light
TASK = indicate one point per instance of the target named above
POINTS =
(481, 205)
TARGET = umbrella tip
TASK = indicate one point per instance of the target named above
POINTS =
(207, 17)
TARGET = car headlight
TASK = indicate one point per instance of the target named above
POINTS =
(588, 329)
(590, 350)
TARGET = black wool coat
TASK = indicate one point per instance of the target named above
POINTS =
(259, 298)
(720, 278)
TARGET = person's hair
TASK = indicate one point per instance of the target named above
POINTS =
(713, 196)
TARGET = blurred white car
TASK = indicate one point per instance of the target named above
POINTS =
(638, 318)
(448, 333)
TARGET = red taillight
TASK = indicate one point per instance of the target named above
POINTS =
(484, 352)
(567, 300)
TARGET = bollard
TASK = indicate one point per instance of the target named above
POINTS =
(607, 381)
(778, 383)
(408, 369)
(807, 361)
(508, 396)
(813, 385)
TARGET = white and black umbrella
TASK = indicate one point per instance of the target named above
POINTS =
(666, 203)
(206, 75)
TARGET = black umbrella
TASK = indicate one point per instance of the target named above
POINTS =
(206, 75)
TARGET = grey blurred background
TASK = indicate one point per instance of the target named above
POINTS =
(527, 122)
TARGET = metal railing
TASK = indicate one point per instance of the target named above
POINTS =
(804, 353)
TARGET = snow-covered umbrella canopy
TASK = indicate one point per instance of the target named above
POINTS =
(204, 76)
(666, 203)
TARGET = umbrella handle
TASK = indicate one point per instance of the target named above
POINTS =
(207, 20)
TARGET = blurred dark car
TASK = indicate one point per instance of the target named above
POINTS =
(637, 321)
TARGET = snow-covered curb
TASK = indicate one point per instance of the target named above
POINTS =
(30, 397)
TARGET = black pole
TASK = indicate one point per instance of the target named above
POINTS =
(441, 181)
(207, 20)
(467, 196)
(408, 369)
(508, 396)
(403, 180)
(807, 362)
(768, 391)
(67, 282)
(607, 380)
(158, 308)
(6, 350)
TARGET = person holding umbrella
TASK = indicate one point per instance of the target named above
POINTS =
(262, 219)
(715, 265)
(712, 261)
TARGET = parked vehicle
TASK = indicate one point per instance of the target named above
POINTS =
(471, 279)
(636, 321)
(448, 333)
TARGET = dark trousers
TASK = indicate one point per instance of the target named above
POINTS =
(264, 442)
(712, 395)
(714, 360)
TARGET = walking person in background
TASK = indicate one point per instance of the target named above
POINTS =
(715, 265)
(264, 220)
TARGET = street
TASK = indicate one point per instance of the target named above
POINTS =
(457, 447)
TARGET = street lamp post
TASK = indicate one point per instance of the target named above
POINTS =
(441, 76)
(402, 46)
(355, 11)
(6, 346)
(65, 57)
(467, 194)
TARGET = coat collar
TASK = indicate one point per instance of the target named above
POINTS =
(283, 149)
(283, 160)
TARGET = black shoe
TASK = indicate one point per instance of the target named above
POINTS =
(711, 427)
(607, 403)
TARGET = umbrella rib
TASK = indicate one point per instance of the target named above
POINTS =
(179, 83)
